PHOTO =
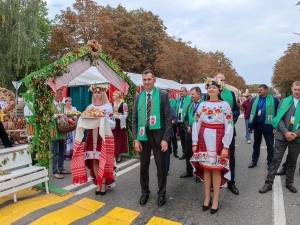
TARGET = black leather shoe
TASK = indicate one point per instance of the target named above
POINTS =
(186, 174)
(176, 155)
(233, 189)
(252, 164)
(213, 211)
(281, 172)
(204, 207)
(182, 157)
(291, 188)
(144, 199)
(198, 180)
(266, 188)
(161, 200)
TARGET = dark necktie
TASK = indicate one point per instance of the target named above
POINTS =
(148, 109)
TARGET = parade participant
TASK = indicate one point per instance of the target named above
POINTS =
(58, 138)
(151, 129)
(246, 107)
(212, 134)
(287, 124)
(173, 146)
(173, 134)
(263, 111)
(92, 148)
(70, 139)
(230, 98)
(189, 119)
(120, 134)
(181, 109)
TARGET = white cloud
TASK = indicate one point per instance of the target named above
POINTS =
(253, 34)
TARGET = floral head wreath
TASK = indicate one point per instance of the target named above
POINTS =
(99, 87)
(214, 81)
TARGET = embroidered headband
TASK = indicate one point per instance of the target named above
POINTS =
(99, 87)
(214, 81)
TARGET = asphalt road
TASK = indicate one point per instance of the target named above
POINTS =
(185, 196)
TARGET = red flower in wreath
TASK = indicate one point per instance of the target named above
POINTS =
(223, 162)
(92, 45)
(210, 112)
(36, 119)
(77, 51)
(35, 81)
(121, 70)
(58, 66)
(41, 100)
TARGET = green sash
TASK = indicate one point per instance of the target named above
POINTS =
(192, 118)
(154, 114)
(227, 96)
(186, 102)
(173, 103)
(56, 134)
(285, 106)
(270, 109)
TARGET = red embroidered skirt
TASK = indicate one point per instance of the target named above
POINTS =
(120, 136)
(105, 155)
(210, 159)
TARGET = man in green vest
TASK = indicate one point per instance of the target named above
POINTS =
(287, 124)
(263, 111)
(174, 137)
(189, 119)
(229, 97)
(181, 109)
(58, 139)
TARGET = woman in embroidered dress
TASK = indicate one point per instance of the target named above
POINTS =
(120, 134)
(71, 135)
(212, 134)
(93, 142)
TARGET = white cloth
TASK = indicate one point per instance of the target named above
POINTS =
(220, 110)
(123, 117)
(296, 102)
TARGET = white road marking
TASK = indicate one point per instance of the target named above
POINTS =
(92, 186)
(278, 203)
(73, 186)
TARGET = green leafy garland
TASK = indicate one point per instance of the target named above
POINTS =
(42, 98)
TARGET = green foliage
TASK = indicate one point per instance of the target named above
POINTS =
(23, 35)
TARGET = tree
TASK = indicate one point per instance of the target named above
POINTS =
(23, 33)
(287, 69)
(178, 61)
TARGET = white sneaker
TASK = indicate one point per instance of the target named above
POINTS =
(249, 142)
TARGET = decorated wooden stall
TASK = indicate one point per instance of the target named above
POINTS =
(43, 83)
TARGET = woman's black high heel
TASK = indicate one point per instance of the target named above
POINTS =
(204, 207)
(213, 211)
(103, 193)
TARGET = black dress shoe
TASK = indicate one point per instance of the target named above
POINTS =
(252, 164)
(204, 207)
(266, 188)
(186, 174)
(144, 199)
(97, 192)
(198, 180)
(161, 200)
(182, 157)
(291, 188)
(233, 189)
(281, 172)
(176, 155)
(213, 211)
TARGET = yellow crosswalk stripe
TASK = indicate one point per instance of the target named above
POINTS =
(160, 221)
(69, 214)
(20, 194)
(117, 216)
(16, 211)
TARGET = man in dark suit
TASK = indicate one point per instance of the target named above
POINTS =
(151, 129)
(229, 97)
(263, 111)
(287, 124)
(189, 119)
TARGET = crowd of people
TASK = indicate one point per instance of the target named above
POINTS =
(206, 127)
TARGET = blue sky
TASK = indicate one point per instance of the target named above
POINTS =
(252, 34)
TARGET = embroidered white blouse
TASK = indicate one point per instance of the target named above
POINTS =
(108, 109)
(214, 113)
